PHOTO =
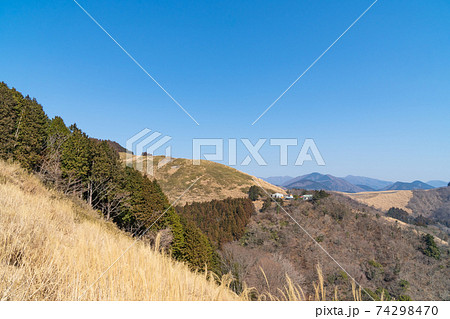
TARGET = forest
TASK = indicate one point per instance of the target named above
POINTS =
(221, 220)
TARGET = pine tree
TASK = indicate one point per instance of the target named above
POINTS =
(58, 129)
(178, 248)
(9, 116)
(50, 170)
(76, 159)
(102, 185)
(31, 134)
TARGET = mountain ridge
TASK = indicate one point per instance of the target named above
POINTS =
(316, 181)
(349, 183)
(408, 186)
(373, 183)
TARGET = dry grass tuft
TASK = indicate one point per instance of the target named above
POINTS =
(293, 292)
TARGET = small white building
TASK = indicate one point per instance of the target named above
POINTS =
(306, 197)
(277, 195)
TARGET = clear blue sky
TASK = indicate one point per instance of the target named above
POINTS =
(377, 104)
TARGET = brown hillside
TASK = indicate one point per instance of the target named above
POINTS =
(217, 181)
(384, 200)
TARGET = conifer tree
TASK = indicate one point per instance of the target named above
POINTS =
(9, 116)
(76, 159)
(31, 134)
(102, 185)
(50, 169)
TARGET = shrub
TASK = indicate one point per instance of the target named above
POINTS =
(267, 203)
(404, 284)
(404, 298)
(379, 294)
(399, 214)
(253, 193)
(320, 194)
(383, 293)
(430, 249)
(375, 264)
(319, 238)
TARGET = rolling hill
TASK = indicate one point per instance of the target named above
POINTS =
(431, 203)
(384, 200)
(217, 181)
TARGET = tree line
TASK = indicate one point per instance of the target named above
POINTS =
(67, 159)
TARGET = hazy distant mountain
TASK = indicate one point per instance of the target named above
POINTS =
(367, 188)
(316, 181)
(277, 180)
(437, 183)
(348, 184)
(408, 186)
(371, 183)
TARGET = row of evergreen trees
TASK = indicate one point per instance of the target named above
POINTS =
(68, 160)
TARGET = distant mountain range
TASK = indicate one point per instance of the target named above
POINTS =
(372, 183)
(319, 181)
(408, 186)
(348, 184)
(278, 180)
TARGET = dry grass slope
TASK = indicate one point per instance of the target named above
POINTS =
(384, 200)
(52, 248)
(218, 181)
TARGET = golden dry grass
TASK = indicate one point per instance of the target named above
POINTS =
(52, 248)
(384, 199)
(294, 292)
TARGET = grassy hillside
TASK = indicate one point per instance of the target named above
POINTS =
(384, 200)
(217, 181)
(53, 248)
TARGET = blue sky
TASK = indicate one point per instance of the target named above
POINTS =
(377, 104)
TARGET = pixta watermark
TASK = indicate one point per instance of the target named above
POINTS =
(142, 146)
